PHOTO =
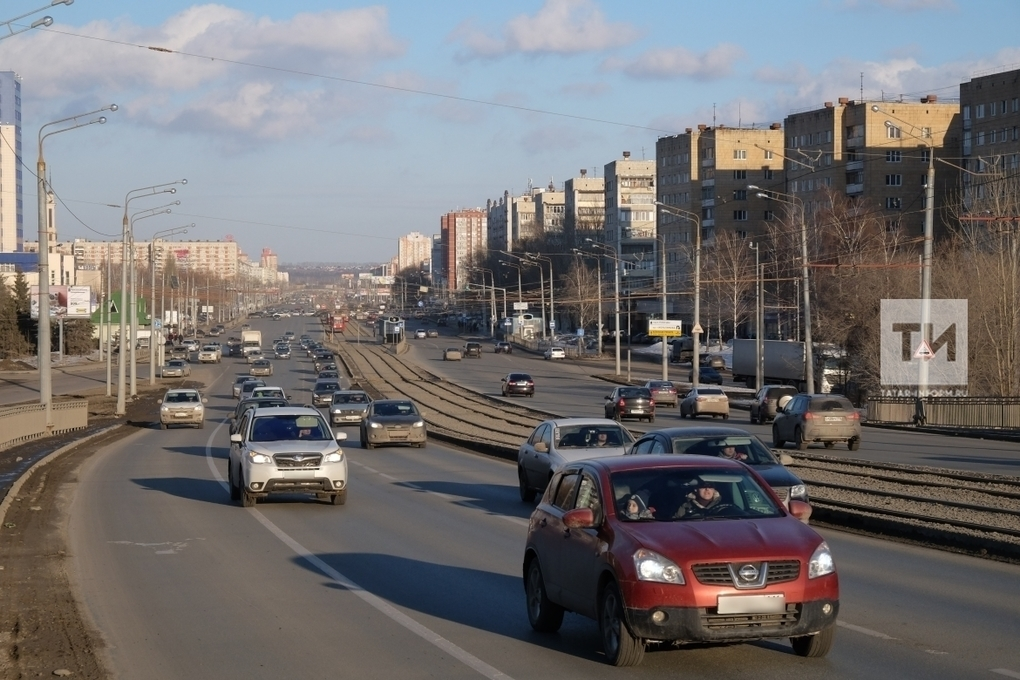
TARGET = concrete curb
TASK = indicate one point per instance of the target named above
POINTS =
(20, 481)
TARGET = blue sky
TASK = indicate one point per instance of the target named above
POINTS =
(325, 130)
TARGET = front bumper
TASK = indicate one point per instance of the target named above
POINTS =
(692, 624)
(346, 417)
(263, 480)
(324, 400)
(187, 419)
(382, 435)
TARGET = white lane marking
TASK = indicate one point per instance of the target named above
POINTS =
(175, 546)
(865, 631)
(1005, 671)
(375, 601)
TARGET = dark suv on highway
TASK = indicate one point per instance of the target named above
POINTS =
(473, 349)
(630, 402)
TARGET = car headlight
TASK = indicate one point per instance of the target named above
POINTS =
(420, 423)
(651, 566)
(199, 409)
(821, 562)
(164, 408)
(259, 458)
(374, 425)
(799, 491)
(335, 457)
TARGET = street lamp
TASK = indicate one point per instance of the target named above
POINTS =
(152, 296)
(809, 353)
(38, 23)
(126, 243)
(616, 292)
(43, 345)
(552, 286)
(133, 304)
(929, 238)
(598, 321)
(759, 316)
(696, 328)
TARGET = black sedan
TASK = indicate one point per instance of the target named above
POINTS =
(732, 443)
(517, 383)
(706, 376)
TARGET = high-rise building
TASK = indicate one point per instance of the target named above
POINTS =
(12, 227)
(630, 218)
(464, 236)
(584, 209)
(990, 112)
(876, 151)
(549, 210)
(414, 251)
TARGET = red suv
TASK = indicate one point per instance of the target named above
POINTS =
(633, 543)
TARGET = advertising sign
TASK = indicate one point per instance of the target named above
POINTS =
(79, 302)
(58, 301)
(664, 328)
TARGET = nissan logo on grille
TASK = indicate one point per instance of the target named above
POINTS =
(748, 573)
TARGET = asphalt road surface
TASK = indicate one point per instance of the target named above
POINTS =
(419, 574)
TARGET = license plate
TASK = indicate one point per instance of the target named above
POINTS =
(833, 419)
(181, 415)
(639, 410)
(752, 604)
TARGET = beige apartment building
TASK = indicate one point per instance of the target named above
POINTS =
(510, 220)
(874, 151)
(220, 257)
(414, 251)
(704, 175)
(11, 190)
(549, 214)
(630, 219)
(584, 210)
(990, 112)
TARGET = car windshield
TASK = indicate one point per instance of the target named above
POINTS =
(395, 408)
(659, 385)
(182, 398)
(745, 448)
(591, 436)
(277, 428)
(689, 494)
(176, 364)
(634, 393)
(341, 398)
(327, 386)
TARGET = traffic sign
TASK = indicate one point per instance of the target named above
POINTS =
(697, 328)
(157, 324)
(552, 325)
(520, 306)
(580, 332)
(664, 328)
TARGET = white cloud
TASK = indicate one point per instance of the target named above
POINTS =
(209, 94)
(560, 27)
(679, 62)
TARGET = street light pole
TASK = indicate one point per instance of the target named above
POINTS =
(133, 306)
(615, 257)
(552, 286)
(759, 321)
(43, 344)
(152, 296)
(696, 328)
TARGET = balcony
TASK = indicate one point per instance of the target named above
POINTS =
(854, 142)
(708, 203)
(852, 166)
(854, 189)
(708, 162)
(705, 224)
(708, 182)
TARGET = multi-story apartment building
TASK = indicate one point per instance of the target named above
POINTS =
(438, 262)
(463, 236)
(630, 227)
(11, 208)
(511, 219)
(549, 214)
(990, 112)
(414, 251)
(875, 151)
(584, 210)
(269, 260)
(220, 257)
(704, 175)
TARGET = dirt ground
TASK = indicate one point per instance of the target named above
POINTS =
(42, 632)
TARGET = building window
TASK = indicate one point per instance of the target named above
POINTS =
(768, 173)
(893, 156)
(979, 110)
(894, 180)
(892, 203)
(768, 216)
(926, 155)
(768, 155)
(826, 159)
(892, 132)
(740, 154)
(708, 213)
(979, 139)
(740, 194)
(1016, 104)
(740, 215)
(892, 225)
(740, 174)
(991, 109)
(828, 136)
(741, 234)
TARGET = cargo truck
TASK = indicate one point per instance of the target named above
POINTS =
(783, 364)
(250, 341)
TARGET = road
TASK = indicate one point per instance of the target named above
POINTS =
(566, 388)
(19, 387)
(418, 575)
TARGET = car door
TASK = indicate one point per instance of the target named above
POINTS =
(756, 403)
(544, 459)
(236, 448)
(787, 420)
(529, 457)
(580, 550)
(548, 533)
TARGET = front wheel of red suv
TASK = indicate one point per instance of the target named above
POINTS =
(814, 646)
(621, 648)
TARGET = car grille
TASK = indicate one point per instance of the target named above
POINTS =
(712, 621)
(298, 460)
(719, 574)
(783, 492)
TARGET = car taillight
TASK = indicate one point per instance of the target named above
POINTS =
(531, 383)
(651, 402)
(809, 416)
(854, 416)
(621, 403)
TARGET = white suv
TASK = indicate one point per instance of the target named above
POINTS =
(286, 450)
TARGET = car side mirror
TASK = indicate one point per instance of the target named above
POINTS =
(579, 518)
(235, 438)
(542, 447)
(607, 397)
(341, 436)
(786, 459)
(502, 379)
(798, 509)
(205, 400)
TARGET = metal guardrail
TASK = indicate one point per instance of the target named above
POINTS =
(997, 413)
(22, 423)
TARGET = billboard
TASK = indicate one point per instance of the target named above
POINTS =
(69, 302)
